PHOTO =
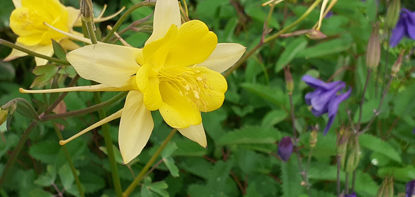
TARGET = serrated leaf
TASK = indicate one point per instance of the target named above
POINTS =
(66, 176)
(325, 49)
(377, 145)
(291, 178)
(45, 151)
(169, 161)
(292, 49)
(48, 178)
(274, 117)
(250, 135)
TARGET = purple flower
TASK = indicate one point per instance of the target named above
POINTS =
(325, 98)
(404, 27)
(285, 148)
(410, 188)
(350, 195)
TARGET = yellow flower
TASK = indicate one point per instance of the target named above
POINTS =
(29, 21)
(177, 72)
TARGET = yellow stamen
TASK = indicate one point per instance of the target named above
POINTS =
(73, 36)
(93, 88)
(272, 2)
(102, 11)
(97, 124)
(323, 7)
(97, 20)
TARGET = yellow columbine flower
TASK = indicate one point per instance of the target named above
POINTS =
(29, 21)
(177, 72)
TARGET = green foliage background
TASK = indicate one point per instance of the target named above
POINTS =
(241, 158)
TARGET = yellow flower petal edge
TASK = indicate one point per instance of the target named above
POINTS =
(178, 72)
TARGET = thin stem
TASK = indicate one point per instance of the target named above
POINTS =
(124, 17)
(110, 150)
(338, 160)
(270, 38)
(85, 110)
(353, 180)
(142, 173)
(27, 132)
(71, 165)
(32, 53)
(299, 159)
(90, 27)
(363, 98)
(346, 184)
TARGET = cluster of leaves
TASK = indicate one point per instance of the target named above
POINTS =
(241, 158)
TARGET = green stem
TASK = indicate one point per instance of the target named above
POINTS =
(124, 17)
(153, 158)
(32, 53)
(71, 165)
(85, 110)
(111, 156)
(90, 27)
(270, 38)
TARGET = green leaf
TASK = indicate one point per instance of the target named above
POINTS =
(368, 111)
(48, 178)
(91, 181)
(39, 193)
(325, 49)
(45, 151)
(58, 50)
(377, 145)
(292, 49)
(7, 71)
(274, 117)
(273, 95)
(169, 161)
(291, 178)
(404, 174)
(44, 75)
(66, 176)
(250, 135)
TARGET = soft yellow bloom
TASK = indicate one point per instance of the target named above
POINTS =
(28, 20)
(177, 72)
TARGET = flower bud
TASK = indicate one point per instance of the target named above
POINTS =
(392, 13)
(353, 154)
(86, 9)
(285, 148)
(410, 188)
(3, 115)
(313, 138)
(288, 80)
(397, 65)
(373, 49)
(342, 139)
(316, 35)
(386, 189)
(350, 195)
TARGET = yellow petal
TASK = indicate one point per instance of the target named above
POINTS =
(166, 13)
(135, 127)
(17, 3)
(68, 44)
(155, 53)
(195, 133)
(93, 88)
(178, 110)
(149, 86)
(42, 49)
(212, 90)
(15, 54)
(224, 56)
(193, 45)
(108, 64)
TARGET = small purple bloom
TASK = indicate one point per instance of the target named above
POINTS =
(410, 188)
(285, 148)
(404, 27)
(325, 98)
(329, 14)
(350, 195)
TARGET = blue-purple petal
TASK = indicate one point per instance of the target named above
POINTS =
(320, 103)
(410, 188)
(397, 33)
(334, 103)
(285, 148)
(350, 195)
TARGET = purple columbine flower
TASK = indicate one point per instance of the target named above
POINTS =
(285, 148)
(350, 195)
(410, 188)
(404, 27)
(325, 98)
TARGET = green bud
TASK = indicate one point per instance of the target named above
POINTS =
(353, 154)
(392, 13)
(3, 115)
(373, 49)
(342, 140)
(288, 80)
(86, 9)
(386, 189)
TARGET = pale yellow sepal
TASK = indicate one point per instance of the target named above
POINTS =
(136, 126)
(92, 88)
(195, 133)
(17, 3)
(224, 56)
(42, 49)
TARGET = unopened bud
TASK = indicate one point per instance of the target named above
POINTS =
(392, 13)
(397, 65)
(288, 80)
(285, 148)
(353, 154)
(3, 115)
(342, 141)
(386, 189)
(373, 49)
(313, 138)
(87, 9)
(316, 35)
(410, 188)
